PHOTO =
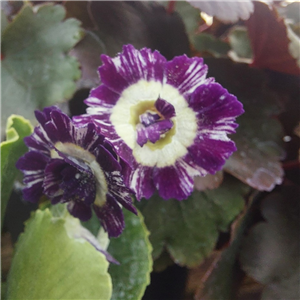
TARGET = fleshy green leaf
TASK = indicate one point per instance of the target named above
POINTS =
(48, 264)
(11, 150)
(189, 229)
(36, 70)
(205, 42)
(271, 251)
(259, 135)
(133, 250)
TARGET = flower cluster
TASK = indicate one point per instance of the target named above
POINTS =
(164, 119)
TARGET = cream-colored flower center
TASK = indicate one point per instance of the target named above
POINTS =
(137, 99)
(84, 155)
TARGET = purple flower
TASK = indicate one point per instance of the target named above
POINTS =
(164, 118)
(77, 166)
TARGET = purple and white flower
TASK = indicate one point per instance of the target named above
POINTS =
(77, 166)
(164, 118)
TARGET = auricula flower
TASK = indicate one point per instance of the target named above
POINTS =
(77, 166)
(164, 118)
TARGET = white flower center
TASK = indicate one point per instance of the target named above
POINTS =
(82, 154)
(130, 106)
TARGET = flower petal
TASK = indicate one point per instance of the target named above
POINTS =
(80, 210)
(106, 160)
(152, 132)
(131, 66)
(210, 154)
(32, 164)
(120, 191)
(38, 141)
(53, 178)
(185, 74)
(103, 96)
(111, 217)
(173, 182)
(165, 108)
(216, 108)
(60, 128)
(141, 182)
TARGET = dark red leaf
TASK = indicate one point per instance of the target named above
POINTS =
(269, 41)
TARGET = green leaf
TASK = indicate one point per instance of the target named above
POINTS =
(270, 253)
(4, 21)
(48, 264)
(189, 229)
(239, 42)
(205, 42)
(11, 150)
(133, 250)
(36, 70)
(190, 15)
(259, 137)
(223, 281)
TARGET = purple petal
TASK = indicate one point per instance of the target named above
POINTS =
(103, 96)
(142, 135)
(173, 182)
(148, 118)
(44, 116)
(82, 120)
(104, 127)
(88, 137)
(152, 132)
(106, 160)
(109, 147)
(185, 74)
(165, 108)
(123, 150)
(38, 141)
(210, 154)
(131, 66)
(141, 182)
(215, 107)
(33, 164)
(60, 128)
(80, 210)
(126, 201)
(111, 217)
(33, 193)
(53, 178)
(119, 191)
(56, 200)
